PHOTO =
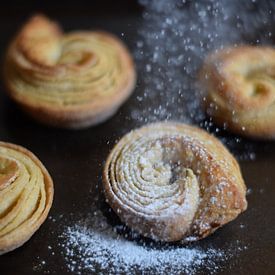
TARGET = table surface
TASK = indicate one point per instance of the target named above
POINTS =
(75, 158)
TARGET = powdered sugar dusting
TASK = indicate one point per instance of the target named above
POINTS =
(174, 38)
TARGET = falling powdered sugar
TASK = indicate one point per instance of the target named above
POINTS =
(93, 246)
(174, 37)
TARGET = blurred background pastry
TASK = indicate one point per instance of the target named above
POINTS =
(72, 80)
(241, 89)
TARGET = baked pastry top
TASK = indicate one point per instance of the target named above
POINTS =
(171, 181)
(241, 90)
(69, 80)
(26, 194)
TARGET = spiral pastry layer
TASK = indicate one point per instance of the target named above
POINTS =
(69, 80)
(171, 182)
(26, 194)
(241, 89)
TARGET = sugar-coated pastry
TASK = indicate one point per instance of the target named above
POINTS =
(69, 80)
(170, 182)
(26, 194)
(241, 89)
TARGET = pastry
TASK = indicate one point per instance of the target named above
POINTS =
(26, 194)
(170, 182)
(241, 90)
(69, 80)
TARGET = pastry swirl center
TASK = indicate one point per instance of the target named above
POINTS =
(8, 171)
(245, 77)
(154, 177)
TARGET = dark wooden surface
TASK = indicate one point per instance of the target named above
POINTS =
(75, 158)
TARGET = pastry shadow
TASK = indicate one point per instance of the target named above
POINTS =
(128, 234)
(15, 119)
(22, 129)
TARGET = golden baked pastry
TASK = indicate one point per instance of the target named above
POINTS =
(26, 194)
(69, 80)
(241, 89)
(171, 181)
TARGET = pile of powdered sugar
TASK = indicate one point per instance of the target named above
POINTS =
(96, 251)
(93, 246)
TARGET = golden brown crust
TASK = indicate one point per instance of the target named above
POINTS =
(69, 80)
(171, 181)
(26, 200)
(240, 89)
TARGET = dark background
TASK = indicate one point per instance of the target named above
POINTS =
(75, 158)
